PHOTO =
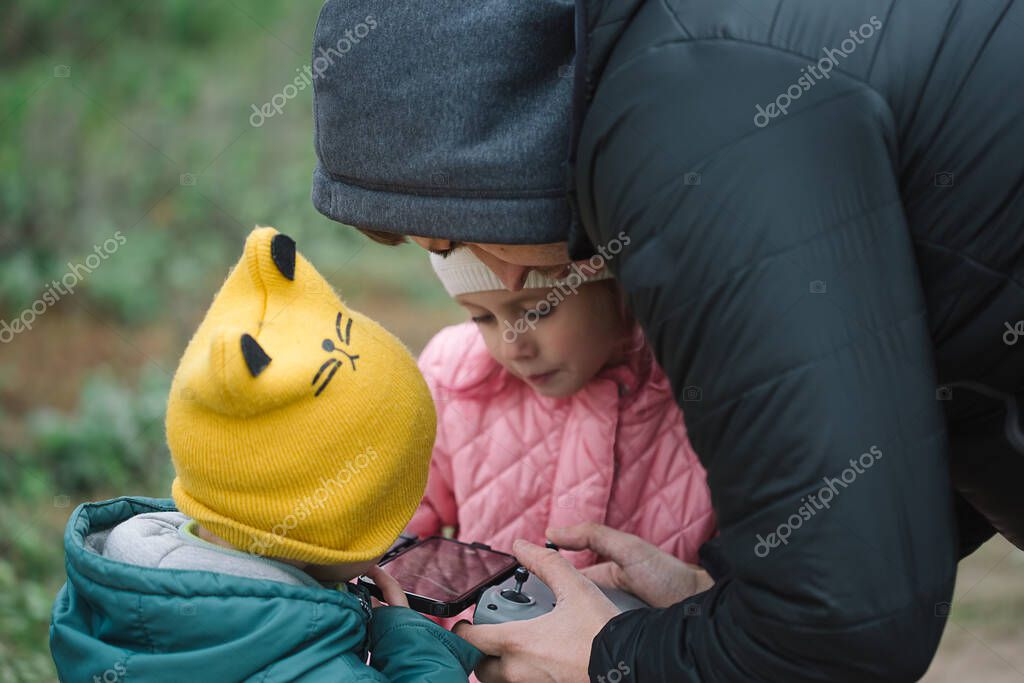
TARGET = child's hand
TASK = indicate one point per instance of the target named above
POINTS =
(392, 591)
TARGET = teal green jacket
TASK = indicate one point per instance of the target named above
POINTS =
(116, 621)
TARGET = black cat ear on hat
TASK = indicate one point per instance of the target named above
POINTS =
(282, 251)
(255, 357)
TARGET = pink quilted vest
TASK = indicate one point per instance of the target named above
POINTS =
(509, 463)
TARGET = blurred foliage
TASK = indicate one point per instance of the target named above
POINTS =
(114, 440)
(66, 174)
(32, 27)
(24, 605)
(121, 117)
(135, 119)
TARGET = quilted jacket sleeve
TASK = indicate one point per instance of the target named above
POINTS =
(438, 508)
(773, 272)
(406, 647)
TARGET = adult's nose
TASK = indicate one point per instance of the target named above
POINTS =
(511, 275)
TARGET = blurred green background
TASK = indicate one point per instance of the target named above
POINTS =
(134, 117)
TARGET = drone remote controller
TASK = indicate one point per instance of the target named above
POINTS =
(527, 597)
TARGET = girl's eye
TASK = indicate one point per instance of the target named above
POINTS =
(482, 319)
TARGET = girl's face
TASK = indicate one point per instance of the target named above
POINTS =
(554, 342)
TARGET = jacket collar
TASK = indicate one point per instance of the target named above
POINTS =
(635, 370)
(150, 618)
(89, 518)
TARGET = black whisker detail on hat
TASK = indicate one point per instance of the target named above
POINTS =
(329, 346)
(344, 339)
(282, 251)
(322, 368)
(330, 376)
(255, 357)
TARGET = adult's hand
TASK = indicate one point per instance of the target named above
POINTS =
(633, 564)
(554, 648)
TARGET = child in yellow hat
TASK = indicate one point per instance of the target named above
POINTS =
(301, 434)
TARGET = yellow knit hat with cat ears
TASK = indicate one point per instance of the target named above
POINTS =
(299, 428)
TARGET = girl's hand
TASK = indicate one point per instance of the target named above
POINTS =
(391, 590)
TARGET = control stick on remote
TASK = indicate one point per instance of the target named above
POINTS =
(523, 597)
(521, 576)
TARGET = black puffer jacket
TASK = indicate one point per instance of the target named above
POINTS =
(812, 269)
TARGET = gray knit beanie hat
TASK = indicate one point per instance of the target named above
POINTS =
(445, 118)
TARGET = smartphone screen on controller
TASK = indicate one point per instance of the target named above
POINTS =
(442, 577)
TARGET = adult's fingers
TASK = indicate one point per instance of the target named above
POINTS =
(604, 574)
(491, 639)
(555, 571)
(491, 670)
(611, 544)
(389, 588)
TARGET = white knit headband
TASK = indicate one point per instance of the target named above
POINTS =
(461, 272)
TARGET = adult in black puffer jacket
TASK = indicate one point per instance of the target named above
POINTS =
(820, 210)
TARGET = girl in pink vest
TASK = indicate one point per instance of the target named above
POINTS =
(552, 411)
